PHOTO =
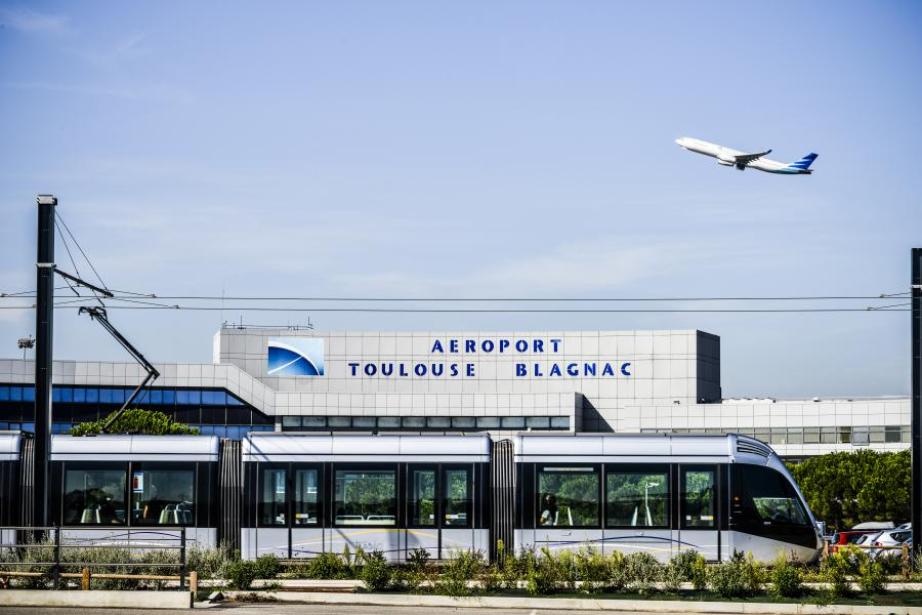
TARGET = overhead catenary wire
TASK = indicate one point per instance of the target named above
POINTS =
(69, 256)
(404, 310)
(58, 217)
(520, 299)
(344, 299)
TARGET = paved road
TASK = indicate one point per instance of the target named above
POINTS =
(293, 609)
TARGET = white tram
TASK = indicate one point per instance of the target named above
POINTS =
(662, 495)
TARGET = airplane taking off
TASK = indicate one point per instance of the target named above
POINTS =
(733, 158)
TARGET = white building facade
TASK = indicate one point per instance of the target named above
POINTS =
(457, 381)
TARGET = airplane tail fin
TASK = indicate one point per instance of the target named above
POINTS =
(804, 163)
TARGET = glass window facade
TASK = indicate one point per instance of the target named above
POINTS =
(212, 411)
(845, 434)
(421, 423)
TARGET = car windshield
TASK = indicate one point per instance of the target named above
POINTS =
(866, 538)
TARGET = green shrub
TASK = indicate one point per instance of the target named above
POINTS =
(375, 572)
(835, 570)
(685, 561)
(699, 574)
(267, 566)
(673, 576)
(208, 563)
(592, 570)
(617, 574)
(325, 566)
(641, 572)
(544, 574)
(739, 577)
(787, 578)
(418, 558)
(511, 571)
(754, 573)
(135, 420)
(464, 566)
(687, 566)
(490, 579)
(241, 574)
(418, 570)
(566, 568)
(871, 577)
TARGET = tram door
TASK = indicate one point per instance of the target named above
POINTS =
(422, 509)
(697, 527)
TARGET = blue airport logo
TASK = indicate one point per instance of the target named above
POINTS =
(295, 356)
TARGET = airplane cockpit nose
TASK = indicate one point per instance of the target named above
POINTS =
(680, 141)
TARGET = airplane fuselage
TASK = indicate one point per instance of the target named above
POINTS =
(728, 157)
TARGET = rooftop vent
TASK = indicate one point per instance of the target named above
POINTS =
(752, 447)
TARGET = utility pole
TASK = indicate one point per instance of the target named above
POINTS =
(916, 397)
(44, 320)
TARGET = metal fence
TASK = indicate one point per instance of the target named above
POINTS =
(54, 551)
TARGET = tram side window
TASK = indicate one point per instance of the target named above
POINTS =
(699, 498)
(637, 496)
(366, 497)
(306, 502)
(422, 498)
(272, 494)
(94, 496)
(457, 507)
(764, 497)
(568, 497)
(163, 496)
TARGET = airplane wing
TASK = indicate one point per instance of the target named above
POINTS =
(744, 159)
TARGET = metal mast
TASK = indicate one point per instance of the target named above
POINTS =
(44, 320)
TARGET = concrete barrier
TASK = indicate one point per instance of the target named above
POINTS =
(96, 598)
(579, 604)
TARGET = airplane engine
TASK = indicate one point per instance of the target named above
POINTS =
(725, 163)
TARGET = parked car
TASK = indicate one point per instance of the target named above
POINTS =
(851, 537)
(882, 544)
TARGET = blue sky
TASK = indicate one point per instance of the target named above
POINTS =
(474, 148)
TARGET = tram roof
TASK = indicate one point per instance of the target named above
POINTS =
(134, 448)
(647, 448)
(347, 447)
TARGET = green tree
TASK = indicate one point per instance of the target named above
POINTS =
(844, 489)
(135, 421)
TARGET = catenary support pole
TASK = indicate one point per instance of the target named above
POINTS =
(916, 397)
(44, 319)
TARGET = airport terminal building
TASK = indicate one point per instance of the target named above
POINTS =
(455, 381)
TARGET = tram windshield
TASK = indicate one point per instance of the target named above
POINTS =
(765, 497)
